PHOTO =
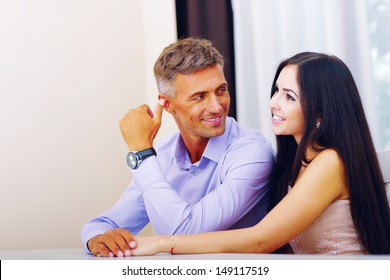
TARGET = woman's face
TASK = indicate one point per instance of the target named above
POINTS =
(287, 116)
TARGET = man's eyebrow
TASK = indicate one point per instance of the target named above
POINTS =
(225, 84)
(196, 93)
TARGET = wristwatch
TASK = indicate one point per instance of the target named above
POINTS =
(134, 159)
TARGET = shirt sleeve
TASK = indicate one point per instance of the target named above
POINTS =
(244, 175)
(128, 213)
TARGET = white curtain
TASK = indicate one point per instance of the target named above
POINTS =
(268, 31)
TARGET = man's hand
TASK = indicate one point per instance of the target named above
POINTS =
(118, 242)
(139, 127)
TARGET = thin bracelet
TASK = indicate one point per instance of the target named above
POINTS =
(173, 243)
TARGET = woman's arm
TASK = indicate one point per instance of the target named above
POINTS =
(316, 188)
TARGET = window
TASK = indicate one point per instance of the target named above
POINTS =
(378, 14)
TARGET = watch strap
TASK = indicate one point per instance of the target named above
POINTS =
(144, 154)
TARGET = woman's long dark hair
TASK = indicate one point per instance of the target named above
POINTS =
(328, 91)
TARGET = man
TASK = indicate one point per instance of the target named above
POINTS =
(212, 175)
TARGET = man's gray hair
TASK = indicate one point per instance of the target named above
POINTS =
(184, 56)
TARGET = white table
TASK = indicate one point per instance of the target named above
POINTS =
(78, 254)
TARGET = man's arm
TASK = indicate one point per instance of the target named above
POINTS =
(244, 176)
(110, 233)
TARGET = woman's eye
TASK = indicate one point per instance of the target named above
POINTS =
(289, 97)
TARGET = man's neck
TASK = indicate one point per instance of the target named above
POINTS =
(196, 149)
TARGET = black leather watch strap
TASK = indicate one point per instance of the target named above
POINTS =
(144, 154)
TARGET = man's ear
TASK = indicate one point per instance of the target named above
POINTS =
(165, 101)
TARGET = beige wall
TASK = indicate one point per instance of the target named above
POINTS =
(69, 69)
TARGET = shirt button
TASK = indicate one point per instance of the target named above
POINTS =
(194, 173)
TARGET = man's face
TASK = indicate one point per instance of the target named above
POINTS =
(201, 104)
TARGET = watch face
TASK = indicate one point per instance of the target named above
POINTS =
(132, 160)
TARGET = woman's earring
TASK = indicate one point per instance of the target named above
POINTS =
(318, 123)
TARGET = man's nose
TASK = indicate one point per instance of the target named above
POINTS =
(214, 103)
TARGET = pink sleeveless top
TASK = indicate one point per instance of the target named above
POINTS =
(332, 233)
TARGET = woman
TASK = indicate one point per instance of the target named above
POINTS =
(328, 189)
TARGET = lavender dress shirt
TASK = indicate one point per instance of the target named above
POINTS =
(226, 189)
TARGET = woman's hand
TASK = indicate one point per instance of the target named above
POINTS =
(147, 245)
